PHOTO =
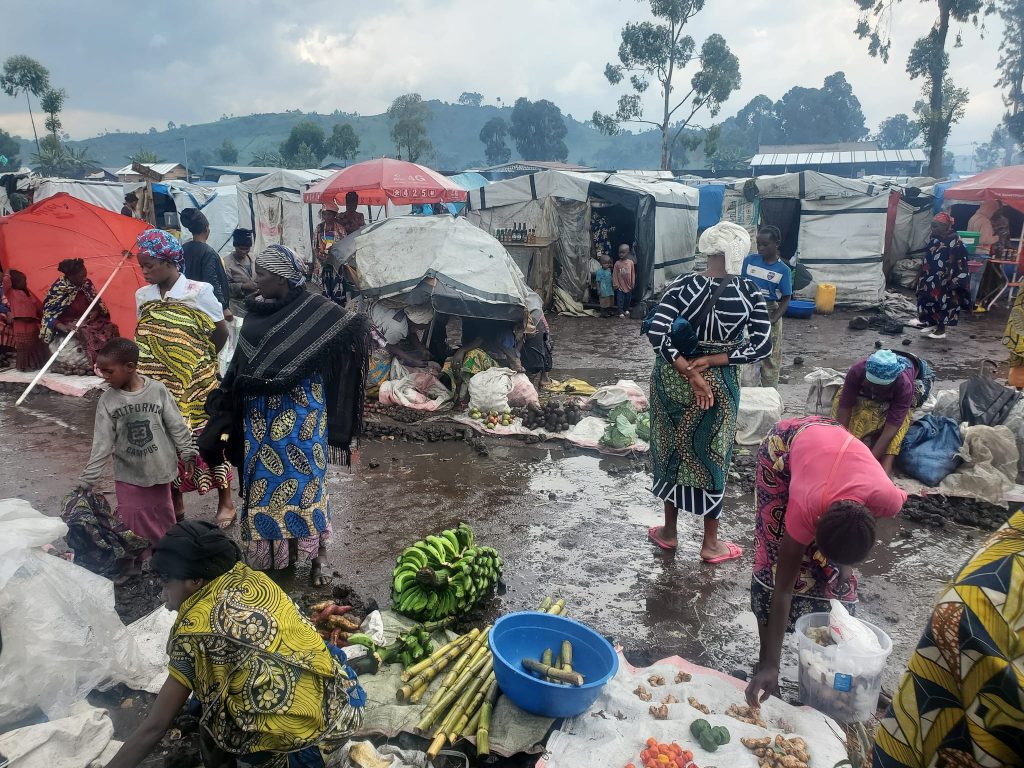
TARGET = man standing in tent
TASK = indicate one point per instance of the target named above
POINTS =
(351, 219)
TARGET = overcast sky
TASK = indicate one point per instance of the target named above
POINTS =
(132, 65)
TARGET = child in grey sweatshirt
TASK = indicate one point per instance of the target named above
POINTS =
(139, 423)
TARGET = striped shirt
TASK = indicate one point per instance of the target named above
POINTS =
(739, 314)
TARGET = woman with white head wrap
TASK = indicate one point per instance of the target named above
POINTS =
(705, 327)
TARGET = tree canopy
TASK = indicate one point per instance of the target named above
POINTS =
(825, 115)
(10, 147)
(304, 147)
(539, 131)
(409, 116)
(493, 137)
(897, 132)
(227, 153)
(1011, 67)
(343, 142)
(24, 75)
(471, 99)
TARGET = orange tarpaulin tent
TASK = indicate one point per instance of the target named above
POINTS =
(38, 238)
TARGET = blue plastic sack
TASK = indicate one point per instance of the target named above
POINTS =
(929, 451)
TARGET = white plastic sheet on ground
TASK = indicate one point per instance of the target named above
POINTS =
(73, 386)
(83, 738)
(760, 410)
(61, 635)
(586, 434)
(601, 732)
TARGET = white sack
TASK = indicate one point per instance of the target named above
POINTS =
(83, 738)
(760, 410)
(489, 390)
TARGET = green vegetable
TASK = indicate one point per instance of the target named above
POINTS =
(643, 427)
(709, 737)
(626, 409)
(620, 434)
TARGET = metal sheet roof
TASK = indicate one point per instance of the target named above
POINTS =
(840, 158)
(161, 168)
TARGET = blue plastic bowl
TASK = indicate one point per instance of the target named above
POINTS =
(800, 308)
(527, 635)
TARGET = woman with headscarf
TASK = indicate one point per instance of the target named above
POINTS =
(295, 393)
(876, 399)
(202, 263)
(180, 330)
(944, 287)
(706, 325)
(267, 689)
(66, 302)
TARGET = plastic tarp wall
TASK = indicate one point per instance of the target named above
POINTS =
(218, 204)
(102, 194)
(272, 207)
(910, 232)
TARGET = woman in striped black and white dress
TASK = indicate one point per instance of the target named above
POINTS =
(695, 399)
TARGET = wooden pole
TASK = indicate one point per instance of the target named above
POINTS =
(93, 303)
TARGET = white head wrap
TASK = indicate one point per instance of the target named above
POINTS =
(419, 314)
(729, 239)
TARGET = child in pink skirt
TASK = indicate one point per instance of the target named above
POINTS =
(138, 422)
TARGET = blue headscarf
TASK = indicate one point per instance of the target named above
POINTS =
(281, 261)
(885, 366)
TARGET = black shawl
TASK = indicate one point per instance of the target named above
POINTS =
(280, 345)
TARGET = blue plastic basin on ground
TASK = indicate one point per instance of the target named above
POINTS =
(526, 635)
(801, 308)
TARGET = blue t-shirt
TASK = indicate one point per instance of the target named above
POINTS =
(775, 280)
(604, 282)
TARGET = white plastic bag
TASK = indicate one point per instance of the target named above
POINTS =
(825, 385)
(760, 410)
(850, 633)
(609, 396)
(489, 390)
(523, 392)
(61, 635)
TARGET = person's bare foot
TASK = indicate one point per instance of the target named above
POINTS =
(664, 539)
(718, 549)
(316, 572)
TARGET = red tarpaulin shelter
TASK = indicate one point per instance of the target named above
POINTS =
(38, 238)
(1005, 185)
(382, 180)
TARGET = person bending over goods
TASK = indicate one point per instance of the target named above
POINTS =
(268, 690)
(818, 491)
(138, 422)
(875, 401)
(66, 302)
(705, 327)
(775, 279)
(485, 344)
(968, 668)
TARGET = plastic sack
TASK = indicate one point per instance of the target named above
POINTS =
(61, 635)
(523, 392)
(1015, 423)
(825, 385)
(620, 434)
(930, 449)
(984, 400)
(489, 390)
(947, 403)
(850, 633)
(418, 389)
(760, 410)
(626, 409)
(989, 468)
(84, 738)
(608, 397)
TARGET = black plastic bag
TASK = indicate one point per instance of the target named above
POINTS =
(984, 400)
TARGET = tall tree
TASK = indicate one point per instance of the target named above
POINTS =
(409, 116)
(24, 75)
(228, 152)
(343, 142)
(144, 156)
(897, 132)
(928, 58)
(303, 158)
(660, 50)
(493, 137)
(1011, 67)
(1001, 149)
(539, 131)
(823, 115)
(267, 158)
(9, 149)
(312, 135)
(52, 103)
(935, 123)
(471, 99)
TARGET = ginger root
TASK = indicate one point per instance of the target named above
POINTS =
(670, 699)
(642, 693)
(683, 677)
(659, 713)
(655, 680)
(699, 706)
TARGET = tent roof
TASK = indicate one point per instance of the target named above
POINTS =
(283, 179)
(572, 185)
(1004, 184)
(810, 185)
(470, 180)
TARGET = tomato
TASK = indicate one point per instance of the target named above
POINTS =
(664, 749)
(651, 742)
(687, 755)
(676, 749)
(630, 765)
(645, 756)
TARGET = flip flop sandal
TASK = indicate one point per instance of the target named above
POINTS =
(655, 539)
(735, 552)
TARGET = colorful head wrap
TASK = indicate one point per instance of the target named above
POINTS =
(281, 261)
(885, 366)
(944, 218)
(160, 245)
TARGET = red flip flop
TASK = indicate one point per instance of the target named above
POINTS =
(735, 552)
(655, 539)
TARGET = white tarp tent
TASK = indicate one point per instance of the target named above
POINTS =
(103, 194)
(219, 204)
(272, 207)
(841, 230)
(558, 205)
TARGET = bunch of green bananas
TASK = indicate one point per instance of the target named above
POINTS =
(443, 575)
(408, 648)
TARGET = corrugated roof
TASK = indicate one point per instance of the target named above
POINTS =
(161, 168)
(787, 159)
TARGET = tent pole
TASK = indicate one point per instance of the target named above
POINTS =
(93, 303)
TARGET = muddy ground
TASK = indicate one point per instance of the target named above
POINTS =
(570, 523)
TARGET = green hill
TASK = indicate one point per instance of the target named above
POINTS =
(454, 132)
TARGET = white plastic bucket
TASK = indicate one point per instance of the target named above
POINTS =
(843, 685)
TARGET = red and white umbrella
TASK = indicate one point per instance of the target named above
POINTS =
(384, 179)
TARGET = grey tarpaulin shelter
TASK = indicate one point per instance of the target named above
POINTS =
(272, 207)
(558, 205)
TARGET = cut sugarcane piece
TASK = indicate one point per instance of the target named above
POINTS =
(483, 730)
(436, 746)
(444, 651)
(557, 608)
(438, 665)
(470, 729)
(467, 705)
(566, 656)
(545, 605)
(464, 660)
(440, 704)
(560, 675)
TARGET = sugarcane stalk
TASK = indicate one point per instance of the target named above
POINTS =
(545, 658)
(460, 642)
(557, 608)
(467, 658)
(471, 726)
(483, 730)
(436, 746)
(440, 704)
(566, 657)
(469, 704)
(458, 707)
(424, 677)
(559, 675)
(544, 605)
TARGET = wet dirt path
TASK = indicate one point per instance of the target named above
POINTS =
(569, 523)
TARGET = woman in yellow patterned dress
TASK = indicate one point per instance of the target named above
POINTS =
(269, 691)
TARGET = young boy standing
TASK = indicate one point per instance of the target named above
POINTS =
(139, 423)
(605, 291)
(775, 279)
(624, 279)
